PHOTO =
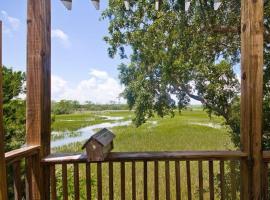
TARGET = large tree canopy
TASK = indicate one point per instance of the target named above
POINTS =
(183, 54)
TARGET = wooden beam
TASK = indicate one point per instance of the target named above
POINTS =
(69, 158)
(20, 154)
(3, 183)
(251, 96)
(38, 101)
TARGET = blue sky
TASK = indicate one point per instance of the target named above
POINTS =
(81, 68)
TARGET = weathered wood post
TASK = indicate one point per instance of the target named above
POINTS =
(38, 102)
(3, 178)
(251, 97)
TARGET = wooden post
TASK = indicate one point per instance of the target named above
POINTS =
(3, 182)
(251, 97)
(38, 102)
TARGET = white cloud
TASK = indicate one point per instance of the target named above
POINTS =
(10, 23)
(61, 36)
(100, 87)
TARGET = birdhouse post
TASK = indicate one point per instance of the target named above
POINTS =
(99, 145)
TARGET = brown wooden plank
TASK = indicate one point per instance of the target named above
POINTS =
(76, 181)
(266, 155)
(211, 180)
(99, 181)
(3, 177)
(222, 180)
(265, 180)
(123, 180)
(32, 177)
(167, 178)
(53, 183)
(17, 182)
(156, 180)
(188, 180)
(38, 101)
(200, 170)
(88, 180)
(148, 156)
(177, 181)
(145, 181)
(233, 179)
(64, 182)
(28, 178)
(20, 154)
(133, 177)
(111, 193)
(251, 96)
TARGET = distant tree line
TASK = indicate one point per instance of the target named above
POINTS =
(70, 106)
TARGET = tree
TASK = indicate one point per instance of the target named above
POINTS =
(65, 107)
(186, 54)
(13, 108)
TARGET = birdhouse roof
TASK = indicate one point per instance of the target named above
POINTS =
(103, 137)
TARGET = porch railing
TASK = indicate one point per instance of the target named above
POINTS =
(19, 161)
(138, 175)
(147, 175)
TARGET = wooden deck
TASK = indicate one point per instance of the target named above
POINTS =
(40, 165)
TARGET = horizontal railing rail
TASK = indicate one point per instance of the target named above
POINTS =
(19, 154)
(149, 156)
(147, 175)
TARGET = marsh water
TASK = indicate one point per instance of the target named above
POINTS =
(67, 137)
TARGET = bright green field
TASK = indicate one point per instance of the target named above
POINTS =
(188, 131)
(191, 130)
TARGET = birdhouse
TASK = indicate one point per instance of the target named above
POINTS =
(99, 145)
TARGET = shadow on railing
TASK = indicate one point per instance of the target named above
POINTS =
(147, 175)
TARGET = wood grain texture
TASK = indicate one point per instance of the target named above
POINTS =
(17, 182)
(145, 180)
(111, 192)
(76, 181)
(251, 96)
(211, 180)
(64, 182)
(189, 193)
(38, 101)
(88, 181)
(99, 181)
(177, 181)
(53, 183)
(156, 180)
(123, 181)
(167, 180)
(33, 184)
(265, 181)
(28, 178)
(3, 183)
(200, 173)
(133, 177)
(233, 179)
(20, 154)
(222, 180)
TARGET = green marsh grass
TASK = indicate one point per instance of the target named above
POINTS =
(191, 130)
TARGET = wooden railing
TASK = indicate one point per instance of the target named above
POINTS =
(147, 175)
(22, 158)
(266, 174)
